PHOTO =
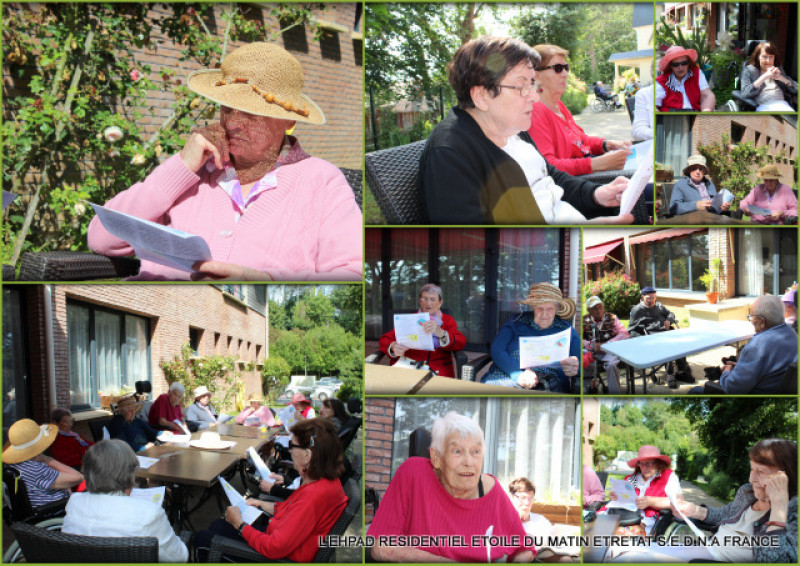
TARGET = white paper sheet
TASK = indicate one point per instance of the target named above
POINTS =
(537, 351)
(758, 210)
(261, 467)
(184, 428)
(223, 418)
(154, 242)
(288, 417)
(685, 519)
(106, 434)
(172, 438)
(639, 152)
(626, 495)
(154, 494)
(409, 333)
(8, 198)
(489, 532)
(145, 461)
(282, 440)
(637, 183)
(249, 513)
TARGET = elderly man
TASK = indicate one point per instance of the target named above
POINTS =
(600, 327)
(650, 316)
(766, 357)
(166, 410)
(682, 86)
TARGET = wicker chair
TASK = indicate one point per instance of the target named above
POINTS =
(42, 546)
(238, 549)
(17, 505)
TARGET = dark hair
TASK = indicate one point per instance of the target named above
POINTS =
(781, 454)
(57, 414)
(327, 460)
(547, 52)
(337, 407)
(521, 484)
(484, 61)
(109, 466)
(661, 465)
(770, 48)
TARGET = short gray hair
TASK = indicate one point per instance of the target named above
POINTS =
(431, 288)
(450, 423)
(177, 386)
(109, 466)
(770, 308)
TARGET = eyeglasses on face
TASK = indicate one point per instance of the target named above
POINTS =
(557, 67)
(523, 90)
(750, 317)
(676, 64)
(292, 445)
(647, 463)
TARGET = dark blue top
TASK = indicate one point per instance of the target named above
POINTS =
(136, 433)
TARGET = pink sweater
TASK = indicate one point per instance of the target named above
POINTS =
(263, 413)
(783, 199)
(416, 503)
(309, 227)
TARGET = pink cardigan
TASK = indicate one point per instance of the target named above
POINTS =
(309, 227)
(557, 139)
(783, 199)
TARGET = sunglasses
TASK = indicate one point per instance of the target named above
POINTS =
(557, 67)
(675, 64)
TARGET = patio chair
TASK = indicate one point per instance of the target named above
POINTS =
(17, 505)
(45, 546)
(393, 178)
(96, 426)
(234, 550)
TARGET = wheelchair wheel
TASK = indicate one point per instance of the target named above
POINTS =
(598, 105)
(14, 552)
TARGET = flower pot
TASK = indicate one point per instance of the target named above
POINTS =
(712, 297)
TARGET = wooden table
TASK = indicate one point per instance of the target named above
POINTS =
(241, 446)
(699, 218)
(241, 431)
(603, 526)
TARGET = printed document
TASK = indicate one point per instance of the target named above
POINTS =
(537, 351)
(409, 333)
(249, 513)
(637, 183)
(626, 495)
(154, 494)
(258, 462)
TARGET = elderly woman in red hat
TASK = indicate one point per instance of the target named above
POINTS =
(682, 86)
(654, 483)
(266, 209)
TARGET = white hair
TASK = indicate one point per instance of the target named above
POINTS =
(450, 423)
(771, 308)
(431, 288)
(175, 386)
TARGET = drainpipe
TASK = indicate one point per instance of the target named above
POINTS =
(574, 262)
(49, 347)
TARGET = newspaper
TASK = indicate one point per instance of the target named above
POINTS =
(626, 495)
(637, 183)
(537, 351)
(154, 242)
(249, 513)
(288, 417)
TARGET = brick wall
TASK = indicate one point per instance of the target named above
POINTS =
(378, 434)
(565, 266)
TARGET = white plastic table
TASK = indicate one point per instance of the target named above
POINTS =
(655, 349)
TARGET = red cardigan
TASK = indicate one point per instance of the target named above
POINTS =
(562, 142)
(657, 488)
(67, 450)
(441, 360)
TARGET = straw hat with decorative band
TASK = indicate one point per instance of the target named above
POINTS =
(770, 171)
(261, 79)
(27, 439)
(693, 161)
(541, 293)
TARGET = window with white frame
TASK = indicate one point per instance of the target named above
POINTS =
(534, 438)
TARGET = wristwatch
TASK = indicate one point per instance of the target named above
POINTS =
(241, 526)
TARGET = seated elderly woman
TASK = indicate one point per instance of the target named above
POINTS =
(266, 209)
(449, 496)
(125, 426)
(764, 507)
(654, 483)
(298, 523)
(479, 165)
(446, 336)
(106, 510)
(255, 414)
(765, 81)
(47, 480)
(522, 493)
(201, 413)
(561, 141)
(695, 191)
(552, 313)
(771, 202)
(682, 86)
(69, 447)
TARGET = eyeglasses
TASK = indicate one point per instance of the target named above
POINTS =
(523, 496)
(647, 463)
(293, 445)
(675, 64)
(750, 317)
(523, 90)
(557, 67)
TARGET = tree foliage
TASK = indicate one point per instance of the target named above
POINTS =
(217, 373)
(275, 376)
(735, 166)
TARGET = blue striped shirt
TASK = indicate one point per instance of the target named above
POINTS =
(39, 479)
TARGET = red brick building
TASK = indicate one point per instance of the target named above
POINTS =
(66, 342)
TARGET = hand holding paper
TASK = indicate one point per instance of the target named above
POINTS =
(675, 505)
(637, 183)
(409, 331)
(626, 495)
(537, 351)
(249, 513)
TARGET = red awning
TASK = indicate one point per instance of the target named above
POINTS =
(659, 235)
(596, 254)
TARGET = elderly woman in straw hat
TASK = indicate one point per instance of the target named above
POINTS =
(125, 426)
(770, 195)
(46, 479)
(201, 412)
(682, 86)
(266, 209)
(552, 313)
(255, 414)
(695, 191)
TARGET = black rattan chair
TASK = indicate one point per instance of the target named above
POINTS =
(96, 426)
(17, 505)
(393, 178)
(239, 550)
(42, 546)
(354, 179)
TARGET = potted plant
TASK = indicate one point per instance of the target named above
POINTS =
(711, 279)
(664, 173)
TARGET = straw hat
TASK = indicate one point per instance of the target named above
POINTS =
(200, 391)
(770, 171)
(541, 293)
(254, 397)
(128, 401)
(300, 398)
(673, 53)
(695, 160)
(648, 452)
(26, 439)
(261, 79)
(211, 441)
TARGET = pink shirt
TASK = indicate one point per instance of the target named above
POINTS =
(308, 228)
(619, 328)
(416, 503)
(783, 199)
(263, 413)
(592, 488)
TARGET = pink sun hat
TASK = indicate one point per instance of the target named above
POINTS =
(647, 452)
(673, 53)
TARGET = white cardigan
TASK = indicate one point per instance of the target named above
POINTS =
(107, 515)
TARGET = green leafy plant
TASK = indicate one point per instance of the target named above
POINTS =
(217, 373)
(617, 290)
(275, 375)
(711, 278)
(734, 166)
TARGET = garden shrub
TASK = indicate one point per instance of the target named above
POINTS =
(617, 290)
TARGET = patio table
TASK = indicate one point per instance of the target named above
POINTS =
(699, 218)
(603, 526)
